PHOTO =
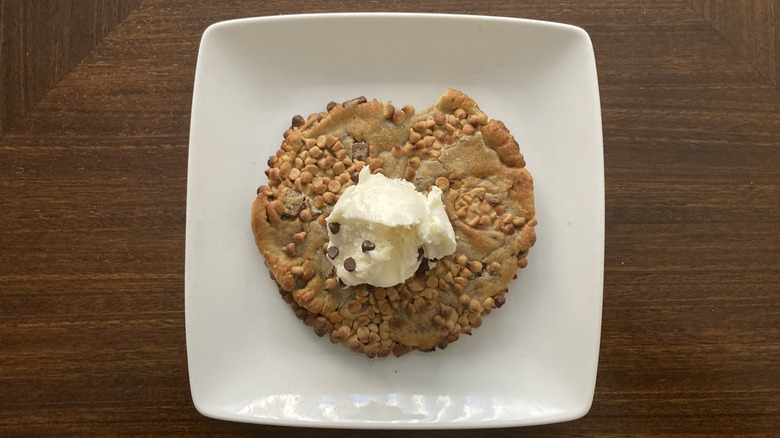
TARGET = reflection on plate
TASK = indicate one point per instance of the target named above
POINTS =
(533, 361)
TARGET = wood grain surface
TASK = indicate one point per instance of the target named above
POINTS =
(749, 26)
(41, 41)
(92, 220)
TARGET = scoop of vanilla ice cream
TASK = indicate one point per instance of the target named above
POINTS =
(381, 228)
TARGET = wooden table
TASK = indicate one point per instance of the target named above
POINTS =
(95, 103)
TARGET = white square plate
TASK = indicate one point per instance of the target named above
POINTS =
(533, 361)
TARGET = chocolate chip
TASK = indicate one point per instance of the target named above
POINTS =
(423, 267)
(349, 264)
(499, 300)
(298, 121)
(367, 245)
(354, 177)
(331, 105)
(360, 151)
(334, 227)
(333, 251)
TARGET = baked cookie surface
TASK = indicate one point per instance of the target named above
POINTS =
(487, 194)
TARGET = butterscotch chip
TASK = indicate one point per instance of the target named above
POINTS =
(487, 194)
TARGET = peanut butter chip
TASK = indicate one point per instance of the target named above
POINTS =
(389, 111)
(334, 186)
(349, 264)
(399, 117)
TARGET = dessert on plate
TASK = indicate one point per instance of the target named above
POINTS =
(391, 230)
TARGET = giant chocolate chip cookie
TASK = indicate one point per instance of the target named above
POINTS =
(487, 193)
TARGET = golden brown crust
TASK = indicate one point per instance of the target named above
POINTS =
(488, 196)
